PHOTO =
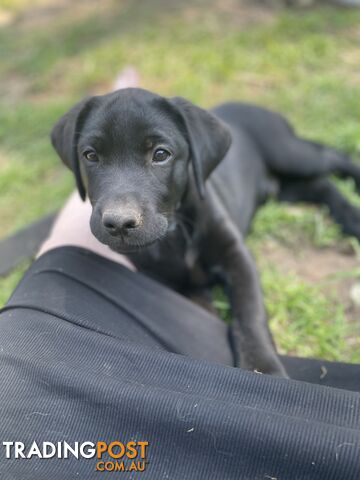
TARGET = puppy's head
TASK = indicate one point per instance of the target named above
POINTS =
(130, 152)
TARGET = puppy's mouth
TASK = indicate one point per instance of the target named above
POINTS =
(135, 240)
(124, 247)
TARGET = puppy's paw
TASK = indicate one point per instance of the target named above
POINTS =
(275, 371)
(357, 185)
(351, 221)
(268, 365)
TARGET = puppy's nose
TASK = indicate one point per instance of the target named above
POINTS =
(120, 223)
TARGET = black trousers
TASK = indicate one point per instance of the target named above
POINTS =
(90, 351)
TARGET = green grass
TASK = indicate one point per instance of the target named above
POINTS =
(304, 64)
(299, 317)
(9, 283)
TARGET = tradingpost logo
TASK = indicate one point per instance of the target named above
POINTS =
(115, 456)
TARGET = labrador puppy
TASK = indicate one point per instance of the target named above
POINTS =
(175, 188)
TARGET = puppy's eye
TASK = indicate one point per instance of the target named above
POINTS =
(161, 155)
(90, 155)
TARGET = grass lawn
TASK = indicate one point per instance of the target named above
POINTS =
(303, 63)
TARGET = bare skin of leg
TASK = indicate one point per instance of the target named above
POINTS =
(72, 226)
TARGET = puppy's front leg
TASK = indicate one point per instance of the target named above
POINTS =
(252, 340)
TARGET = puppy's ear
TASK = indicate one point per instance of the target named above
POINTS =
(65, 136)
(209, 139)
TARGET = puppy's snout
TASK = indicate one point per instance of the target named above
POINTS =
(117, 223)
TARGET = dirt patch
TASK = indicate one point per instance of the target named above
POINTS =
(334, 271)
(237, 13)
(47, 10)
(3, 159)
(14, 88)
(6, 17)
(241, 12)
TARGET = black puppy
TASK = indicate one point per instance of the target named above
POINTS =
(175, 188)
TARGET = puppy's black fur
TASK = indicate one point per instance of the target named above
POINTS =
(175, 187)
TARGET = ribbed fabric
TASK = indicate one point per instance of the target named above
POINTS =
(86, 354)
